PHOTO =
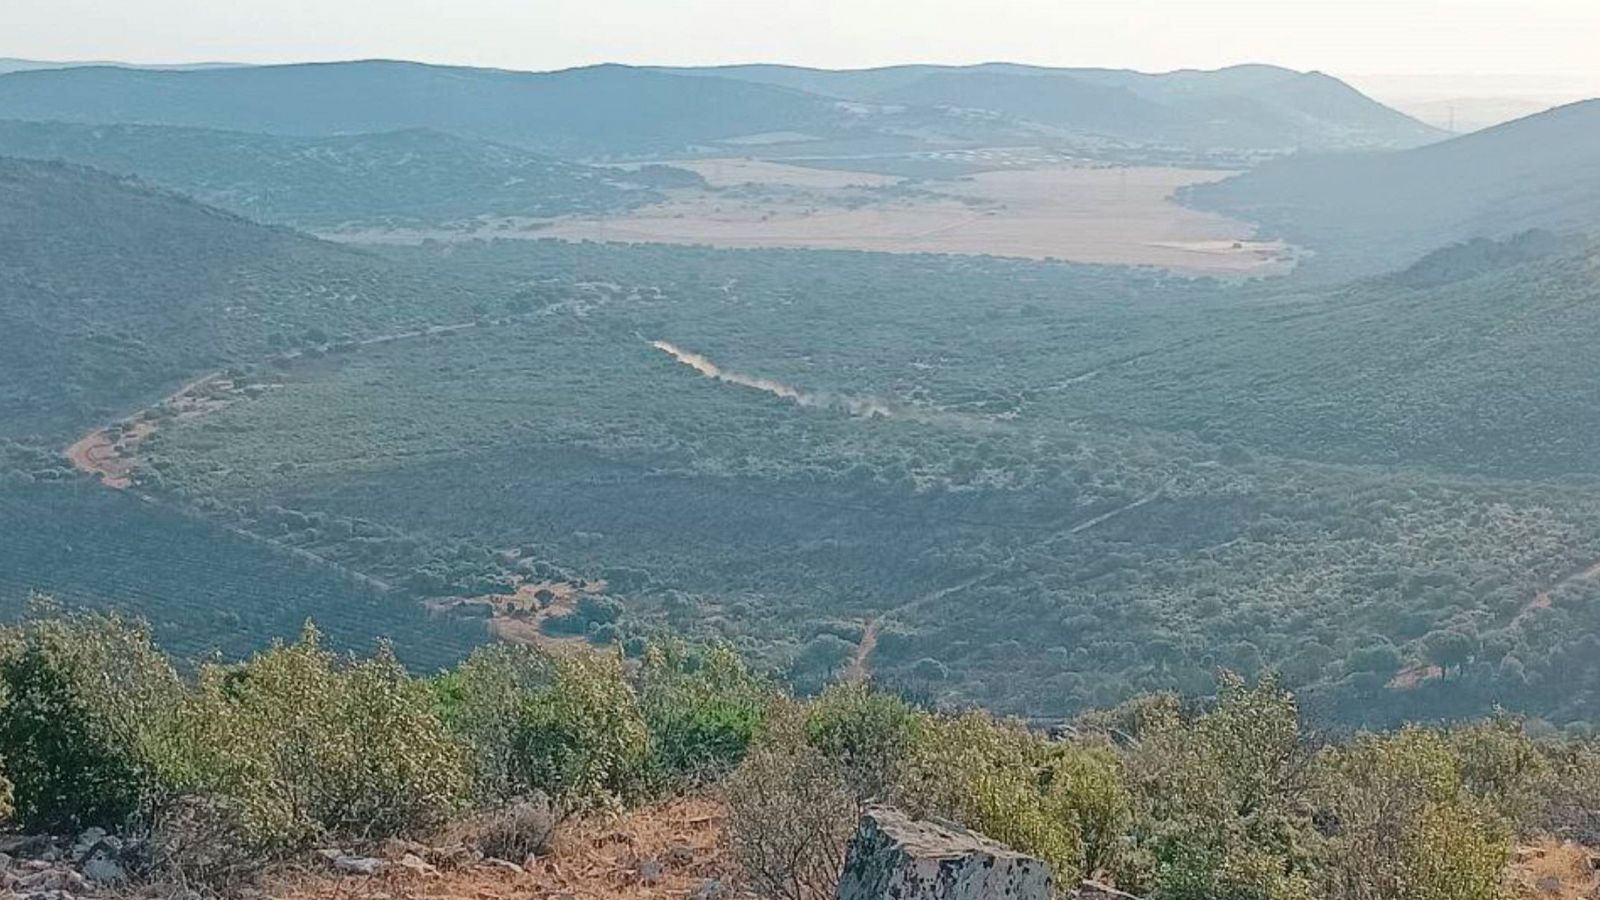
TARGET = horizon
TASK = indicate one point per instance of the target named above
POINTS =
(1413, 93)
(1491, 48)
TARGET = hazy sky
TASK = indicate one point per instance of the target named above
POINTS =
(1555, 41)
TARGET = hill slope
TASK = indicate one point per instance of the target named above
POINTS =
(1242, 107)
(406, 177)
(1367, 213)
(593, 111)
(112, 293)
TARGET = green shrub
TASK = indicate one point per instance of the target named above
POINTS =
(581, 739)
(867, 733)
(1087, 790)
(482, 702)
(307, 747)
(702, 710)
(87, 728)
(1450, 852)
(1407, 828)
(993, 777)
(1505, 769)
(1218, 796)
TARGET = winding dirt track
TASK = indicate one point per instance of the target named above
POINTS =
(859, 667)
(95, 453)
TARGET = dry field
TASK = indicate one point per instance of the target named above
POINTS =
(1122, 216)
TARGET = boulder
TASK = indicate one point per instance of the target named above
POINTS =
(893, 857)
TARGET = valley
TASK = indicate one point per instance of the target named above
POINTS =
(1075, 213)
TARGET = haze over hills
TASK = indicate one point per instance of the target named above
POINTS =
(1363, 214)
(1254, 106)
(596, 111)
(624, 111)
(12, 64)
(403, 178)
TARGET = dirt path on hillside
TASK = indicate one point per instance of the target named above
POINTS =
(96, 454)
(1544, 598)
(859, 668)
(1413, 675)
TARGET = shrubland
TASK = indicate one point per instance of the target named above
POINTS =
(298, 747)
(1157, 477)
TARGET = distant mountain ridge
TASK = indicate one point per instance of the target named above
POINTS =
(598, 110)
(1242, 106)
(623, 111)
(1365, 213)
(13, 64)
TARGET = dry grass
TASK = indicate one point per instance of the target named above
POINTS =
(1553, 870)
(1119, 216)
(589, 859)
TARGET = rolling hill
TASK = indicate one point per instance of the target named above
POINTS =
(112, 293)
(621, 111)
(1372, 212)
(601, 110)
(1243, 107)
(414, 177)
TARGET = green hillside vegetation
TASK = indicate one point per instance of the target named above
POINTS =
(1370, 213)
(114, 293)
(1072, 492)
(204, 589)
(1172, 799)
(408, 178)
(1044, 488)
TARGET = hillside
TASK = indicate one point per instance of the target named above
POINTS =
(406, 178)
(601, 110)
(113, 293)
(1364, 214)
(1243, 107)
(1041, 488)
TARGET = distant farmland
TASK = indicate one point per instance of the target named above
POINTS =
(1122, 216)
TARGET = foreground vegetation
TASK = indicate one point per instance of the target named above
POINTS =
(225, 767)
(1041, 488)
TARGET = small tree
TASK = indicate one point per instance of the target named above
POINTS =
(790, 814)
(87, 730)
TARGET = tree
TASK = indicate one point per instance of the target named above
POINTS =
(1449, 649)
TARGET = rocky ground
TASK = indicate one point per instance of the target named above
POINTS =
(674, 849)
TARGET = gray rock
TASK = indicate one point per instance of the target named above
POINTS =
(417, 864)
(358, 865)
(709, 889)
(651, 872)
(893, 857)
(498, 863)
(102, 867)
(26, 846)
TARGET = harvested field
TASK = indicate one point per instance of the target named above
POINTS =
(1119, 216)
(733, 172)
